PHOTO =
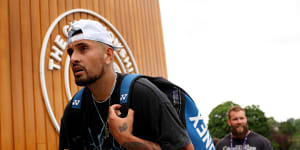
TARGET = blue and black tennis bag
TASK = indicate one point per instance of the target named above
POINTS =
(182, 102)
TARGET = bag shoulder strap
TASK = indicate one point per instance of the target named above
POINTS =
(76, 100)
(125, 87)
(189, 113)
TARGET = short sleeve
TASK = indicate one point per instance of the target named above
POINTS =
(173, 133)
(223, 142)
(156, 116)
(267, 144)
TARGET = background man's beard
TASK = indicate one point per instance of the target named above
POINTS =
(89, 80)
(237, 134)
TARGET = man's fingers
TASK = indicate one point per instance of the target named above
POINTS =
(113, 112)
(130, 114)
(114, 109)
(115, 106)
(118, 112)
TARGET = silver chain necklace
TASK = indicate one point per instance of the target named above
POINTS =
(106, 130)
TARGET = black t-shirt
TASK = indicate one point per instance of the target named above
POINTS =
(254, 142)
(155, 119)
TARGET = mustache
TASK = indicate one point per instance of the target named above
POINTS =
(237, 126)
(77, 66)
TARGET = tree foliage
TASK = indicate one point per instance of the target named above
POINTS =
(291, 120)
(273, 124)
(257, 121)
(295, 141)
(217, 123)
(287, 128)
(282, 140)
(297, 124)
(275, 145)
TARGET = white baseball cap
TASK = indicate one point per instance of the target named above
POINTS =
(86, 29)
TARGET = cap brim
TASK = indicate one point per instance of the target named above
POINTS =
(117, 47)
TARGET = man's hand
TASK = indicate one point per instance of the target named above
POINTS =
(120, 128)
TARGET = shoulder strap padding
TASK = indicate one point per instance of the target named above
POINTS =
(125, 87)
(76, 101)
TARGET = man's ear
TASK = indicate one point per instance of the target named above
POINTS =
(228, 122)
(108, 55)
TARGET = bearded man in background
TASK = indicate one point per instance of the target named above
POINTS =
(241, 138)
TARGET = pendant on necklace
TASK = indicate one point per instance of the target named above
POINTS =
(106, 132)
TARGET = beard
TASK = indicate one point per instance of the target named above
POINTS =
(239, 131)
(89, 79)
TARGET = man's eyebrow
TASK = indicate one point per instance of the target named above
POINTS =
(76, 45)
(80, 44)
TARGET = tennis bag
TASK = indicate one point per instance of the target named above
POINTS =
(182, 102)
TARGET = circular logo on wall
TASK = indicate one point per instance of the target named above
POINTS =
(53, 55)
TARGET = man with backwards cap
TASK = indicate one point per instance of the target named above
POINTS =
(151, 122)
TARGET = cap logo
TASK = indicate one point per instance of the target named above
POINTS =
(54, 59)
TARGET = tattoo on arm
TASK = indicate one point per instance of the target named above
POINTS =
(124, 127)
(136, 145)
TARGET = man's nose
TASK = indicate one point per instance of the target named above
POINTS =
(239, 121)
(74, 58)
